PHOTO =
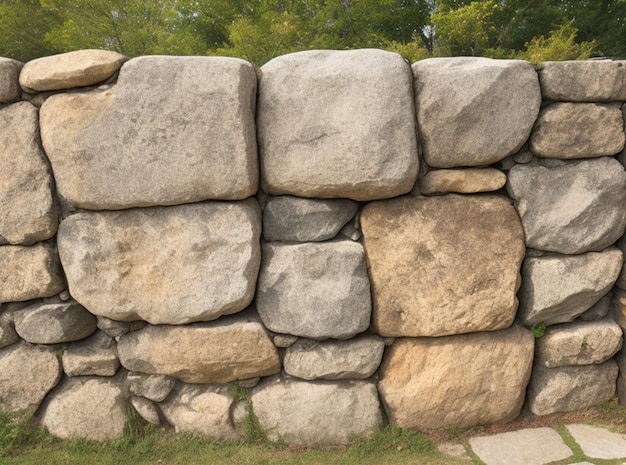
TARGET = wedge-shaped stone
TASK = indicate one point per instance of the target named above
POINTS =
(467, 181)
(578, 130)
(570, 207)
(54, 323)
(8, 335)
(222, 351)
(337, 124)
(165, 265)
(558, 288)
(474, 111)
(466, 380)
(153, 387)
(29, 211)
(9, 80)
(172, 130)
(94, 356)
(443, 265)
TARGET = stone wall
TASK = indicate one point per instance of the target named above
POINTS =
(336, 241)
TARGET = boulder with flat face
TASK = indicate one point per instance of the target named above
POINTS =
(9, 80)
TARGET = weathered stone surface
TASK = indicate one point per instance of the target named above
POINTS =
(146, 409)
(219, 352)
(87, 407)
(118, 328)
(29, 272)
(571, 388)
(165, 265)
(29, 212)
(579, 343)
(95, 355)
(598, 443)
(583, 81)
(54, 323)
(599, 310)
(525, 156)
(454, 450)
(354, 359)
(467, 181)
(337, 124)
(618, 310)
(287, 218)
(332, 414)
(8, 335)
(284, 340)
(578, 130)
(200, 409)
(464, 380)
(146, 141)
(9, 80)
(424, 283)
(153, 387)
(66, 70)
(558, 288)
(572, 208)
(474, 111)
(27, 373)
(314, 290)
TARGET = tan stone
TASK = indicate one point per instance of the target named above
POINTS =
(74, 69)
(466, 181)
(443, 265)
(465, 380)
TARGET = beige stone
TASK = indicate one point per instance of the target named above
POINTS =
(96, 355)
(443, 265)
(467, 181)
(9, 80)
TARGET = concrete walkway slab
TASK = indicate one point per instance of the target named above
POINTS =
(534, 446)
(598, 443)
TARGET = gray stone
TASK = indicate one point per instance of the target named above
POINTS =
(572, 208)
(96, 355)
(474, 111)
(86, 407)
(27, 373)
(287, 218)
(29, 272)
(558, 288)
(334, 412)
(66, 70)
(578, 130)
(598, 443)
(165, 265)
(467, 181)
(9, 80)
(117, 329)
(571, 388)
(153, 387)
(599, 310)
(146, 409)
(536, 446)
(337, 124)
(524, 157)
(226, 350)
(200, 409)
(146, 141)
(618, 308)
(54, 323)
(423, 283)
(354, 359)
(8, 335)
(314, 290)
(284, 340)
(29, 210)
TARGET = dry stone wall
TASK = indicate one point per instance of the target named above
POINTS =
(335, 241)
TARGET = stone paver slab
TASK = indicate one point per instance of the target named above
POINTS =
(598, 443)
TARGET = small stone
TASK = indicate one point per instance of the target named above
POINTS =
(598, 443)
(599, 310)
(146, 409)
(8, 335)
(54, 323)
(248, 383)
(118, 328)
(454, 450)
(351, 232)
(94, 356)
(467, 181)
(284, 340)
(524, 157)
(9, 80)
(153, 387)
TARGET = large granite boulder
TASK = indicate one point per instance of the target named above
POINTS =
(165, 265)
(337, 124)
(9, 80)
(147, 140)
(54, 323)
(443, 265)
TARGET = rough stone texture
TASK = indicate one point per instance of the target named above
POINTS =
(598, 443)
(578, 130)
(354, 359)
(599, 310)
(558, 288)
(165, 265)
(536, 446)
(464, 380)
(618, 310)
(118, 328)
(29, 211)
(146, 409)
(284, 340)
(27, 373)
(8, 335)
(467, 181)
(96, 355)
(580, 343)
(149, 132)
(337, 124)
(583, 81)
(87, 407)
(154, 387)
(200, 409)
(66, 70)
(332, 414)
(29, 272)
(424, 283)
(570, 208)
(54, 323)
(525, 156)
(9, 80)
(454, 450)
(314, 290)
(474, 111)
(287, 218)
(571, 388)
(219, 352)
